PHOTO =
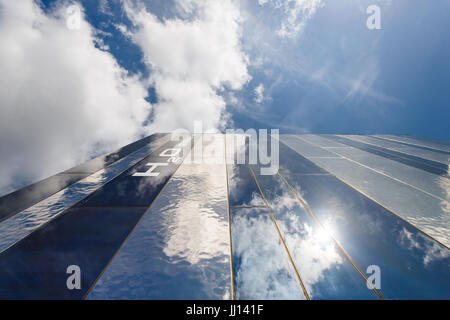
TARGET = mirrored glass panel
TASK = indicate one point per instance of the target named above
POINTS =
(19, 200)
(30, 195)
(325, 271)
(320, 141)
(414, 161)
(389, 144)
(427, 213)
(181, 248)
(242, 187)
(305, 148)
(261, 266)
(87, 238)
(432, 184)
(417, 141)
(411, 265)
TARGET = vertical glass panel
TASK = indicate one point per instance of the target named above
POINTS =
(180, 249)
(433, 184)
(412, 265)
(427, 213)
(323, 268)
(262, 269)
(426, 154)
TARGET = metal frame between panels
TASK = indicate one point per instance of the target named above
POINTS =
(233, 293)
(281, 236)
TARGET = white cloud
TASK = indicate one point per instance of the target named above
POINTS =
(192, 62)
(264, 270)
(62, 99)
(295, 14)
(259, 93)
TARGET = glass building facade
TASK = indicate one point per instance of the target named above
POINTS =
(343, 217)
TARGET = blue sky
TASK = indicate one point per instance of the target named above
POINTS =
(134, 67)
(335, 76)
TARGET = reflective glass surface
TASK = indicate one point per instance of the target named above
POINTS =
(181, 248)
(307, 149)
(35, 268)
(393, 145)
(261, 266)
(290, 165)
(427, 182)
(434, 144)
(242, 187)
(132, 190)
(23, 198)
(439, 142)
(323, 268)
(427, 213)
(75, 237)
(417, 162)
(30, 195)
(155, 224)
(102, 161)
(412, 265)
(320, 141)
(23, 223)
(413, 145)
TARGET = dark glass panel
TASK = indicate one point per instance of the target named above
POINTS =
(100, 162)
(35, 268)
(129, 189)
(25, 197)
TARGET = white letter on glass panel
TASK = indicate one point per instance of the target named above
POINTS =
(149, 172)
